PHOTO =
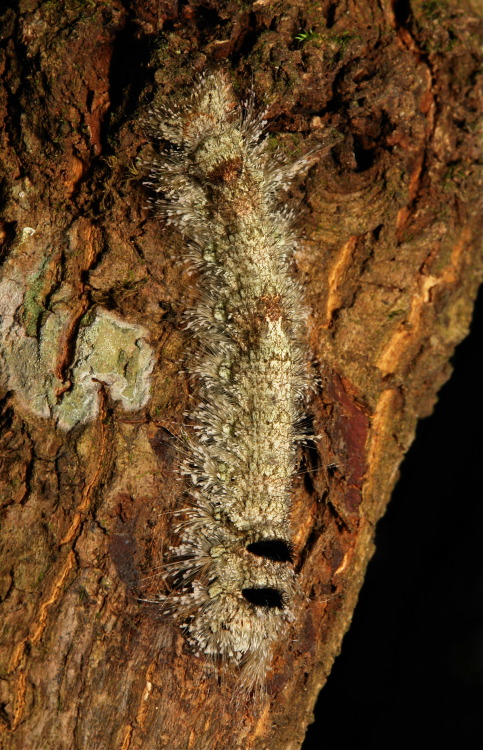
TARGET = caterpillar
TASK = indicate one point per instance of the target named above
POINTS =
(219, 183)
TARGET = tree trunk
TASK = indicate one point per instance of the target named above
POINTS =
(92, 298)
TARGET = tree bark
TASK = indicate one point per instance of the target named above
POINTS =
(92, 299)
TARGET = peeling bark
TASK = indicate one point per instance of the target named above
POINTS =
(390, 264)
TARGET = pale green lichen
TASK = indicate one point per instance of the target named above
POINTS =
(108, 351)
(115, 353)
(20, 367)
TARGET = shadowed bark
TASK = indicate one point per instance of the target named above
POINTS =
(92, 297)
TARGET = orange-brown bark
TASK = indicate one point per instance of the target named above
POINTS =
(390, 264)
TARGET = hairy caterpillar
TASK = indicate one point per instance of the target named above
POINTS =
(235, 582)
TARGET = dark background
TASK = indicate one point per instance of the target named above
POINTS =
(411, 666)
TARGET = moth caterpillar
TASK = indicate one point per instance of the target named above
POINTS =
(219, 184)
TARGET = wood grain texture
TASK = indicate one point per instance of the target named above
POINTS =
(390, 265)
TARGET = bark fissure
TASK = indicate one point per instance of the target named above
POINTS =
(92, 290)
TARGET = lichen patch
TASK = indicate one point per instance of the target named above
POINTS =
(108, 351)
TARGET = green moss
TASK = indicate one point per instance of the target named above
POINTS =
(306, 36)
(341, 40)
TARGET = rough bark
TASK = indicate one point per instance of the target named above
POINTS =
(93, 297)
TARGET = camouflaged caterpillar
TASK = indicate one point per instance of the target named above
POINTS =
(235, 582)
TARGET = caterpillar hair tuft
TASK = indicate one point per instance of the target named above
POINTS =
(218, 182)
